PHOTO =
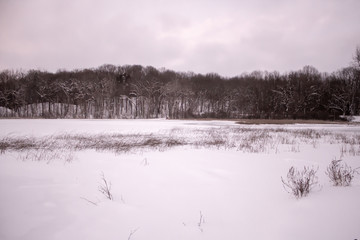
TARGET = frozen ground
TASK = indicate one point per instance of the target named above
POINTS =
(207, 180)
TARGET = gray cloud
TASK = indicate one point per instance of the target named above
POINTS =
(228, 36)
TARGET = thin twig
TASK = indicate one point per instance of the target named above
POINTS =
(94, 203)
(201, 221)
(105, 188)
(132, 232)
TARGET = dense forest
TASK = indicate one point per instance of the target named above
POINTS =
(146, 92)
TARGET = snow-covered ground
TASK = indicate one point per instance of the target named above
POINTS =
(230, 189)
(356, 119)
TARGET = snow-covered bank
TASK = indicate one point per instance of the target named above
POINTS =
(41, 127)
(179, 193)
(355, 119)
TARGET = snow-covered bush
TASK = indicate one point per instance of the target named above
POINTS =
(300, 183)
(340, 174)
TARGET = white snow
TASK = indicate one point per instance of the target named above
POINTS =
(183, 192)
(356, 119)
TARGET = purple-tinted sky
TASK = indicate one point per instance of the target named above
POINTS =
(224, 36)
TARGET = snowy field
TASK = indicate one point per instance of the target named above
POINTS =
(173, 180)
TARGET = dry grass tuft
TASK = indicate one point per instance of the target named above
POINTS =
(340, 174)
(300, 183)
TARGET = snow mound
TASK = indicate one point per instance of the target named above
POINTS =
(355, 119)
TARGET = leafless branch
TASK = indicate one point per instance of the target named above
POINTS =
(94, 203)
(105, 187)
(201, 221)
(132, 233)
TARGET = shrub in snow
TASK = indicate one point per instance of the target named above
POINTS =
(300, 183)
(105, 188)
(340, 174)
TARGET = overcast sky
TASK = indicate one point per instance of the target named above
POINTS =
(224, 36)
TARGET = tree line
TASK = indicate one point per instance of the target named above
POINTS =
(134, 91)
